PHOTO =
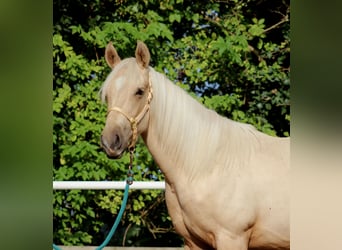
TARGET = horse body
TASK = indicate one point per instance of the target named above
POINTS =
(227, 185)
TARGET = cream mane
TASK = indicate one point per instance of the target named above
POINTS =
(194, 136)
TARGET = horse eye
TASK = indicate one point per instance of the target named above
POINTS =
(139, 92)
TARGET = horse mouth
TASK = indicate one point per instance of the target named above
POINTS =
(114, 155)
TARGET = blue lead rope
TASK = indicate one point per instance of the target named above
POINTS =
(55, 247)
(117, 220)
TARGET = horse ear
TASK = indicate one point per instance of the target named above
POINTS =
(142, 54)
(112, 57)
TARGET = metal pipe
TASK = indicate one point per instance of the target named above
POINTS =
(101, 185)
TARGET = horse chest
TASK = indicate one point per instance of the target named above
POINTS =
(204, 210)
(188, 215)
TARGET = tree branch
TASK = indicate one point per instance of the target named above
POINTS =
(284, 20)
(125, 234)
(255, 52)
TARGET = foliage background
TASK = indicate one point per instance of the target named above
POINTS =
(233, 56)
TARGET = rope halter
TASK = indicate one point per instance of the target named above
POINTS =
(134, 121)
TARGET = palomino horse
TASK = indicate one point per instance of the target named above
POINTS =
(227, 185)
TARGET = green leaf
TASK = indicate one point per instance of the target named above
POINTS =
(175, 17)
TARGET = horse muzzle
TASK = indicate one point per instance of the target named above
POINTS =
(113, 146)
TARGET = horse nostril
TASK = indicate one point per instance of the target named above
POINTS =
(116, 143)
(112, 143)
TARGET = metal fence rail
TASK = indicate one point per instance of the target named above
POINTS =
(101, 185)
(119, 248)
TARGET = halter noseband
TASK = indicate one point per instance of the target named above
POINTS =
(134, 121)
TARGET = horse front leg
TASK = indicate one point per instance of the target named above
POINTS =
(175, 213)
(190, 245)
(232, 242)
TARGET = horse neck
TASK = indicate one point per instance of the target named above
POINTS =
(177, 123)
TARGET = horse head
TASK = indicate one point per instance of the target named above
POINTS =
(127, 92)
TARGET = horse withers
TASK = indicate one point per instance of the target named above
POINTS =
(227, 184)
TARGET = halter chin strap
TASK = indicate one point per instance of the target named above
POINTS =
(134, 121)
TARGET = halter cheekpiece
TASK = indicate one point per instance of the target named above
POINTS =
(134, 121)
